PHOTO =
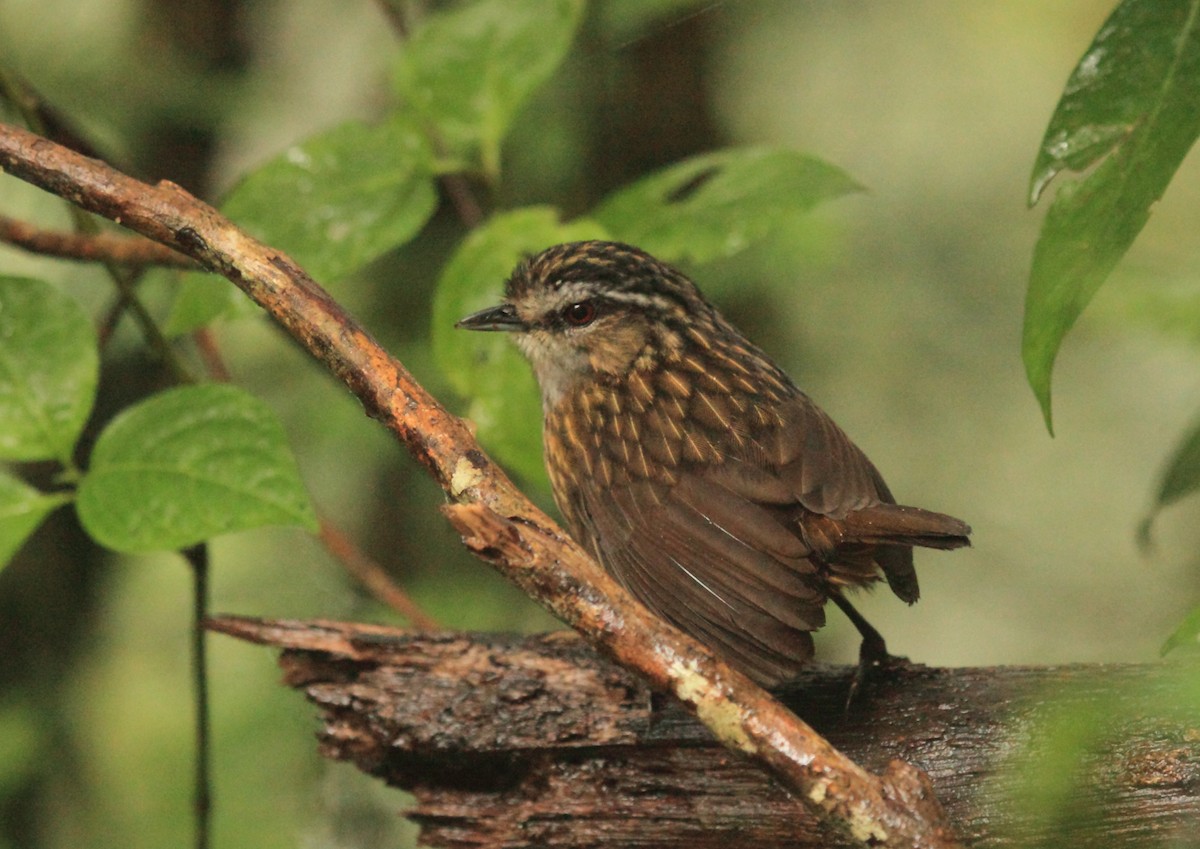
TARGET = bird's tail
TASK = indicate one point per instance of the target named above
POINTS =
(896, 524)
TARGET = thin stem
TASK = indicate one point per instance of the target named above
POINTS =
(396, 14)
(462, 198)
(210, 354)
(202, 801)
(126, 283)
(83, 247)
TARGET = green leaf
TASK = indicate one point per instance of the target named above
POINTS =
(1187, 634)
(187, 465)
(1181, 478)
(342, 198)
(48, 371)
(467, 72)
(334, 203)
(717, 204)
(22, 509)
(1133, 106)
(201, 299)
(486, 367)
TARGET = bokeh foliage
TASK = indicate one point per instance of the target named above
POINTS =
(1128, 116)
(523, 101)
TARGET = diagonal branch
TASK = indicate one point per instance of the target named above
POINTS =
(495, 519)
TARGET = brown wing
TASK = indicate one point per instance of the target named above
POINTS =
(718, 566)
(737, 538)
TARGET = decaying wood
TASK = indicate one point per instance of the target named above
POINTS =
(538, 742)
(895, 807)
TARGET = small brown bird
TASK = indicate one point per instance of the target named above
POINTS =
(710, 486)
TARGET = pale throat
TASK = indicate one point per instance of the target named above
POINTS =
(562, 362)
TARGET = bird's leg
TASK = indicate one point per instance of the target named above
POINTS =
(872, 653)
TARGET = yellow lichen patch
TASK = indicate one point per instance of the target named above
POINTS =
(721, 716)
(466, 475)
(866, 829)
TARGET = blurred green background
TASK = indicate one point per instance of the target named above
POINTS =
(898, 310)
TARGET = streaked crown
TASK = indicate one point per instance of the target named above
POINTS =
(609, 275)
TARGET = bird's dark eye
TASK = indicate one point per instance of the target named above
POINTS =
(580, 314)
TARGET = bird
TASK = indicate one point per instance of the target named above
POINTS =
(692, 467)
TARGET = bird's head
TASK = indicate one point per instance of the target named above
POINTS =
(586, 311)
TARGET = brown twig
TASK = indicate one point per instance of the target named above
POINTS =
(395, 17)
(85, 247)
(210, 354)
(372, 576)
(496, 520)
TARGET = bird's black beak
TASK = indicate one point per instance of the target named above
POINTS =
(502, 317)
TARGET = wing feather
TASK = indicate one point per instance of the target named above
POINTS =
(749, 606)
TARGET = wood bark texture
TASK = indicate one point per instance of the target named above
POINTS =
(539, 742)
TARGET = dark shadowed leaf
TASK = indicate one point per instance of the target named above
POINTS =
(187, 465)
(717, 204)
(22, 509)
(1181, 478)
(1130, 111)
(1183, 471)
(486, 367)
(48, 371)
(466, 72)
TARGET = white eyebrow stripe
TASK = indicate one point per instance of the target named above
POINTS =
(571, 292)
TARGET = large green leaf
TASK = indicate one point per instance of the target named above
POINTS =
(467, 72)
(717, 204)
(486, 367)
(22, 509)
(1132, 105)
(48, 371)
(342, 198)
(334, 203)
(189, 464)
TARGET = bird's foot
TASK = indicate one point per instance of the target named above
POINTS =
(873, 657)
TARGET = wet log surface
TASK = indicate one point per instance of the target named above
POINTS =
(538, 742)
